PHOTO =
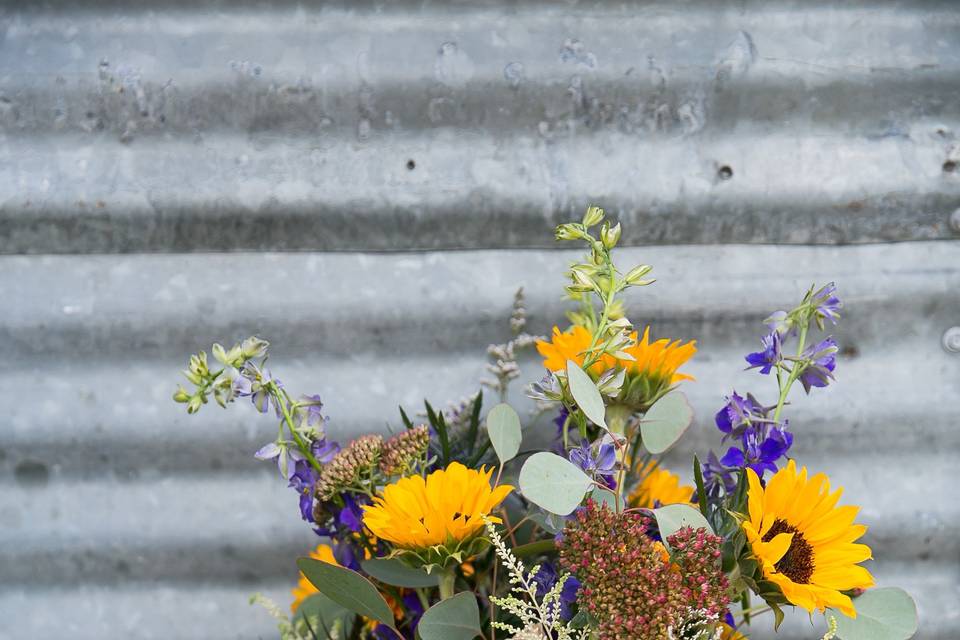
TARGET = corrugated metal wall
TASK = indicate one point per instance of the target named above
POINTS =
(177, 172)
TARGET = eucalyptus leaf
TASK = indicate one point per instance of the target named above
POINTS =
(321, 613)
(347, 588)
(503, 425)
(674, 517)
(882, 614)
(553, 483)
(456, 618)
(586, 394)
(665, 422)
(394, 572)
(604, 497)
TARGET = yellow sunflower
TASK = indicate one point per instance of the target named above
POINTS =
(445, 509)
(305, 588)
(729, 633)
(651, 373)
(659, 486)
(804, 542)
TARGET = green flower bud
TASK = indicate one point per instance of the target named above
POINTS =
(593, 216)
(610, 236)
(635, 277)
(568, 232)
(254, 347)
(195, 378)
(194, 404)
(181, 395)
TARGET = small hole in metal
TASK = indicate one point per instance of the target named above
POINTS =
(411, 165)
(725, 172)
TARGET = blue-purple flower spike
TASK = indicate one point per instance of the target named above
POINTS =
(770, 356)
(823, 361)
(826, 304)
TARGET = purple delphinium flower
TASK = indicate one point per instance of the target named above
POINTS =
(256, 386)
(760, 449)
(323, 450)
(826, 304)
(769, 357)
(822, 359)
(302, 481)
(285, 455)
(313, 406)
(600, 465)
(736, 413)
(546, 579)
(351, 516)
(717, 478)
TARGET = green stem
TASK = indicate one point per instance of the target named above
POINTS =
(794, 374)
(281, 400)
(448, 578)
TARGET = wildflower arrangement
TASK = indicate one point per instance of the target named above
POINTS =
(452, 530)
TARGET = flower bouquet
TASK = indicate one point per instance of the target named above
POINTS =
(469, 524)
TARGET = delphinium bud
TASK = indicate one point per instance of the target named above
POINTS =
(628, 585)
(403, 450)
(347, 467)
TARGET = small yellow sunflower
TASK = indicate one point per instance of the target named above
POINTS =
(444, 509)
(659, 486)
(305, 588)
(804, 542)
(650, 374)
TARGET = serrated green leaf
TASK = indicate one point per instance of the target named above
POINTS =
(347, 588)
(456, 618)
(503, 425)
(665, 422)
(395, 572)
(586, 394)
(553, 483)
(882, 614)
(674, 517)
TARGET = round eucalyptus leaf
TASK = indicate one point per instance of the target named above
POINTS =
(882, 614)
(553, 483)
(322, 613)
(586, 394)
(503, 425)
(456, 618)
(665, 422)
(673, 517)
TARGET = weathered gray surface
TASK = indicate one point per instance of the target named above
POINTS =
(185, 128)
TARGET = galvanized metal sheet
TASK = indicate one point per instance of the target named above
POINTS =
(711, 129)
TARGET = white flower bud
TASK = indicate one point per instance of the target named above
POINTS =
(593, 216)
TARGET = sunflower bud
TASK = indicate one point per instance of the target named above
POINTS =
(610, 236)
(593, 216)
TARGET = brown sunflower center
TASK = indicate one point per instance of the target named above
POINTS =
(797, 562)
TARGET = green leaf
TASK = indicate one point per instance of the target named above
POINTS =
(347, 588)
(586, 394)
(698, 480)
(321, 613)
(601, 497)
(440, 426)
(553, 483)
(406, 421)
(503, 424)
(674, 517)
(665, 422)
(456, 618)
(394, 572)
(882, 614)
